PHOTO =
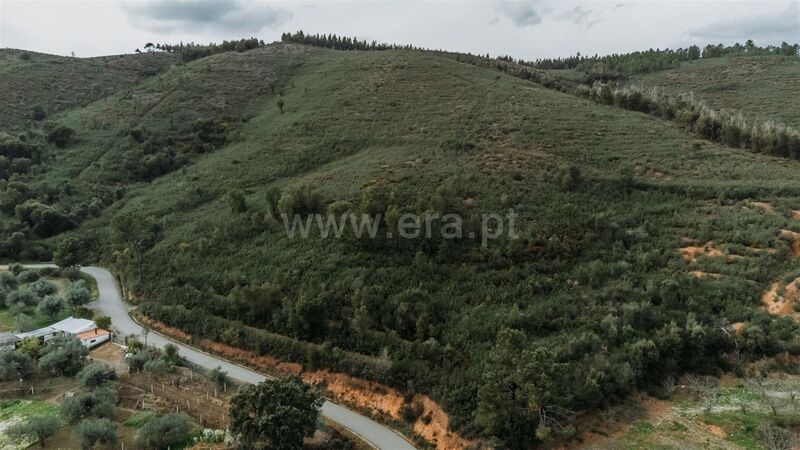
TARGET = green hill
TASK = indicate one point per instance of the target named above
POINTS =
(55, 83)
(759, 86)
(182, 178)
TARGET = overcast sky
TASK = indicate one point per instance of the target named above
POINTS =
(528, 29)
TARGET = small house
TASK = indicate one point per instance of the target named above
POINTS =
(70, 325)
(93, 338)
(43, 334)
(74, 326)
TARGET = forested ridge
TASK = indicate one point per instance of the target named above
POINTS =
(180, 182)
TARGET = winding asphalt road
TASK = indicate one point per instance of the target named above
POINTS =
(110, 303)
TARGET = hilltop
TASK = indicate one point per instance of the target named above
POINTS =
(637, 242)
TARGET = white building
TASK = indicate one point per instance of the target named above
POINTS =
(93, 338)
(43, 334)
(74, 326)
(84, 329)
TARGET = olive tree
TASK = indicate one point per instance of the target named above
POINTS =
(37, 427)
(274, 413)
(43, 287)
(96, 374)
(164, 431)
(96, 404)
(77, 294)
(63, 355)
(51, 306)
(67, 252)
(96, 431)
(15, 365)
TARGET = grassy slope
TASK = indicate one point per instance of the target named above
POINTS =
(222, 86)
(58, 83)
(354, 120)
(762, 86)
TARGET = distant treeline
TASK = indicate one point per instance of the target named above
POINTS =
(339, 42)
(727, 127)
(192, 51)
(618, 66)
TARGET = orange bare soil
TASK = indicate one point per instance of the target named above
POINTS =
(782, 305)
(715, 430)
(701, 274)
(692, 252)
(794, 237)
(163, 329)
(350, 390)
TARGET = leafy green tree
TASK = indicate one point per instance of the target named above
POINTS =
(61, 136)
(15, 365)
(279, 101)
(68, 252)
(96, 374)
(163, 432)
(77, 294)
(8, 280)
(135, 235)
(502, 406)
(103, 322)
(137, 361)
(43, 287)
(171, 355)
(24, 322)
(29, 276)
(16, 269)
(96, 404)
(22, 297)
(31, 346)
(157, 367)
(236, 201)
(51, 306)
(274, 413)
(37, 427)
(96, 431)
(218, 376)
(63, 355)
(37, 112)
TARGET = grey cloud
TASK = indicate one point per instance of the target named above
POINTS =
(191, 15)
(578, 15)
(785, 26)
(522, 14)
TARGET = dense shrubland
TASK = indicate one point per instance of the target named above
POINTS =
(624, 321)
(592, 292)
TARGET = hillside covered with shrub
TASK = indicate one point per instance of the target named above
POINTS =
(642, 249)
